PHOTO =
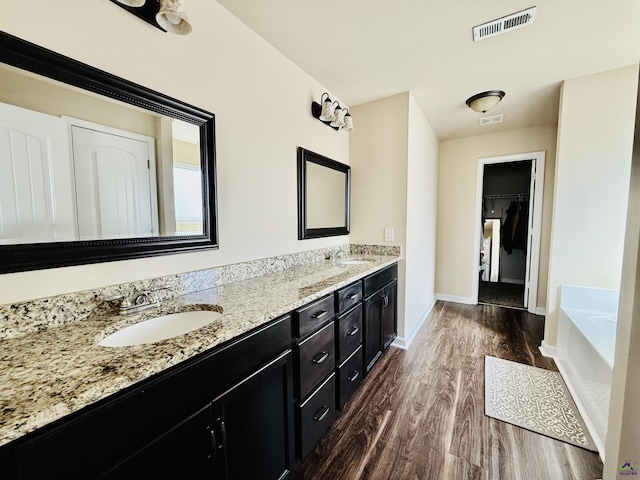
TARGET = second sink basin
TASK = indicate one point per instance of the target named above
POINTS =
(354, 261)
(160, 328)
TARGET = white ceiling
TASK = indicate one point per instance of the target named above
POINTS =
(364, 50)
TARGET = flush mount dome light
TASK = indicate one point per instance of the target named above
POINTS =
(485, 101)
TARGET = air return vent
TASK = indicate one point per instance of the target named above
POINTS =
(504, 24)
(492, 119)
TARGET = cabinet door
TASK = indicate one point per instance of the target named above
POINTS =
(372, 331)
(185, 451)
(253, 422)
(388, 314)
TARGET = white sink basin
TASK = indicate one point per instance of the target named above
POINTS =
(160, 328)
(354, 261)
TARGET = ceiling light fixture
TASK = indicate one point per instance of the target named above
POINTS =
(485, 101)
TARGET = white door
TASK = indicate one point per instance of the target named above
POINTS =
(527, 275)
(36, 178)
(535, 223)
(115, 185)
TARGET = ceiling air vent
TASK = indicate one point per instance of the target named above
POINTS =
(504, 24)
(492, 119)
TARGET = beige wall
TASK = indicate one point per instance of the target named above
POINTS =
(422, 197)
(378, 157)
(393, 156)
(457, 179)
(623, 434)
(591, 185)
(43, 95)
(222, 67)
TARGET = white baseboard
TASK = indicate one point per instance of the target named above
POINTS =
(547, 350)
(455, 299)
(405, 342)
(540, 311)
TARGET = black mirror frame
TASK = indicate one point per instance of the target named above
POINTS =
(24, 257)
(304, 233)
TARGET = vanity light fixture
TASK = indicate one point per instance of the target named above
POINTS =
(332, 114)
(485, 101)
(166, 15)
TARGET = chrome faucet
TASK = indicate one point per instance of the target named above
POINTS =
(335, 256)
(138, 301)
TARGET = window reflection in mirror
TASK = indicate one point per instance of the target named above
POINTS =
(187, 179)
(79, 166)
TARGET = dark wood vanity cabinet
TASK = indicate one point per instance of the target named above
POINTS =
(315, 377)
(195, 420)
(380, 314)
(253, 425)
(185, 451)
(349, 342)
(253, 407)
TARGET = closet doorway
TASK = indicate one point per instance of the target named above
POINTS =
(509, 200)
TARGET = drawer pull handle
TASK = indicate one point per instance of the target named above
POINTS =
(319, 315)
(318, 417)
(353, 375)
(321, 357)
(353, 296)
(353, 331)
(214, 445)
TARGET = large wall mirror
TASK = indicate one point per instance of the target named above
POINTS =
(95, 168)
(323, 196)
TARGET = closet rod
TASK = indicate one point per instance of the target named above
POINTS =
(507, 195)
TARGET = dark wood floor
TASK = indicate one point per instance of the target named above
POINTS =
(420, 413)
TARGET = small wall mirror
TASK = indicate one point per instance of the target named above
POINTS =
(324, 188)
(96, 168)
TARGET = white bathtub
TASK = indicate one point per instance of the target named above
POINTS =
(585, 352)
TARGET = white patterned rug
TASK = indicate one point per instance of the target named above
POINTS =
(535, 399)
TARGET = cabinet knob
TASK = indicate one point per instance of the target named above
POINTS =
(353, 296)
(353, 375)
(319, 315)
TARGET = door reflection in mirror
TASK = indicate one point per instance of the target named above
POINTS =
(69, 172)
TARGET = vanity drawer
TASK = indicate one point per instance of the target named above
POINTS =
(316, 415)
(350, 376)
(312, 316)
(376, 281)
(317, 359)
(349, 331)
(349, 296)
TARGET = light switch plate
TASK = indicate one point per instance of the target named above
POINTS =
(388, 234)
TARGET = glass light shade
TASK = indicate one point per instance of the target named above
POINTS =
(485, 101)
(339, 121)
(348, 122)
(172, 16)
(328, 111)
(132, 3)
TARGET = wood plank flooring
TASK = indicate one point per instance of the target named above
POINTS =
(419, 414)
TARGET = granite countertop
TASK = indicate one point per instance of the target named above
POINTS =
(49, 374)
